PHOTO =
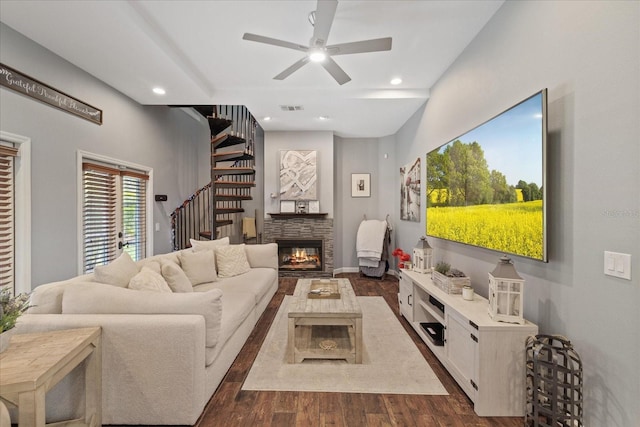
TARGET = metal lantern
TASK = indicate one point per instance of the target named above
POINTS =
(422, 256)
(506, 290)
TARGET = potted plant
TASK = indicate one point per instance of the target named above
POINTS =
(450, 280)
(11, 307)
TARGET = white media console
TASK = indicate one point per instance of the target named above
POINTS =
(485, 357)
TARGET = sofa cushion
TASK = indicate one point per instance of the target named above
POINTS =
(149, 280)
(203, 245)
(118, 272)
(236, 307)
(176, 278)
(104, 299)
(264, 255)
(231, 260)
(47, 298)
(200, 266)
(256, 281)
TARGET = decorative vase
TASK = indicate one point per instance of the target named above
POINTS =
(5, 337)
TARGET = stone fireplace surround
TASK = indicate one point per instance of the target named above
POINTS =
(302, 228)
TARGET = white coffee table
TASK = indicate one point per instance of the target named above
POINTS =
(324, 327)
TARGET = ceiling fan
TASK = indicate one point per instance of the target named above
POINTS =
(318, 51)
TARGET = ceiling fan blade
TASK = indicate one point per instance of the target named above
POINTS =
(296, 66)
(325, 12)
(336, 72)
(373, 45)
(274, 42)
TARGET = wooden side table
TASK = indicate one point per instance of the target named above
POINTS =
(35, 362)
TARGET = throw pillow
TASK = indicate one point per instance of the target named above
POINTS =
(264, 255)
(105, 299)
(118, 272)
(200, 267)
(153, 265)
(149, 280)
(204, 245)
(175, 277)
(231, 260)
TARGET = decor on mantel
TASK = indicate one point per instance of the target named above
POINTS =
(287, 206)
(410, 191)
(298, 175)
(287, 215)
(422, 256)
(39, 91)
(360, 185)
(505, 293)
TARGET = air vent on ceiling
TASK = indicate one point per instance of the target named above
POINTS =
(291, 107)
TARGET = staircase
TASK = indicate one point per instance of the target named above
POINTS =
(218, 205)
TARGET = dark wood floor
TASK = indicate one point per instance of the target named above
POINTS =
(231, 406)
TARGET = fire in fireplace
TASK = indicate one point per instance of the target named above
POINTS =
(300, 255)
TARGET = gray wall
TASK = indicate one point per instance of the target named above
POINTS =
(169, 141)
(588, 56)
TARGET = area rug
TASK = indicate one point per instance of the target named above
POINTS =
(392, 364)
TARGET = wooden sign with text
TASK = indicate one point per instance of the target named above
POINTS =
(35, 89)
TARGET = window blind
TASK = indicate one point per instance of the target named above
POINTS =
(7, 208)
(134, 213)
(99, 226)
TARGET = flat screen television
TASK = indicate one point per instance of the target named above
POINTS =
(487, 188)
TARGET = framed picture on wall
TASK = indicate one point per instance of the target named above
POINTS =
(360, 185)
(410, 191)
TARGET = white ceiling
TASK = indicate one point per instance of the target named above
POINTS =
(194, 49)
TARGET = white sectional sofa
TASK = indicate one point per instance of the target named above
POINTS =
(163, 353)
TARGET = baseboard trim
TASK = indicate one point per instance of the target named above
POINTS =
(357, 270)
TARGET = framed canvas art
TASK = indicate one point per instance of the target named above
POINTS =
(360, 185)
(410, 191)
(298, 175)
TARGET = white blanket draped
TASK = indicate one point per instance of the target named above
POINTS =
(369, 242)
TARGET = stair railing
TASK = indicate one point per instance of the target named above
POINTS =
(191, 218)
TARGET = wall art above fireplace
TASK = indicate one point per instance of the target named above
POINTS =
(298, 175)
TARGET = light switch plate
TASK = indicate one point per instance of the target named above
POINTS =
(617, 265)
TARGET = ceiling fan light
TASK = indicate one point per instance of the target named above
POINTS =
(317, 55)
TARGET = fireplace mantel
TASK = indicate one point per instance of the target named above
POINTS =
(285, 215)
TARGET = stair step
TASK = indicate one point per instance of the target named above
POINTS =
(235, 184)
(233, 171)
(231, 197)
(224, 211)
(226, 140)
(207, 234)
(231, 156)
(217, 124)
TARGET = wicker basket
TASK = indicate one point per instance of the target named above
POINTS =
(451, 285)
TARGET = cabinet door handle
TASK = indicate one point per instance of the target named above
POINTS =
(408, 300)
(473, 337)
(473, 324)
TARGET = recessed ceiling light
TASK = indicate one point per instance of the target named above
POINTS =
(323, 118)
(159, 91)
(266, 118)
(396, 81)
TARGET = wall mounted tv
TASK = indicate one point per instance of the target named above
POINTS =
(487, 187)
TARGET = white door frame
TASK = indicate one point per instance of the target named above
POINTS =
(22, 217)
(83, 156)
